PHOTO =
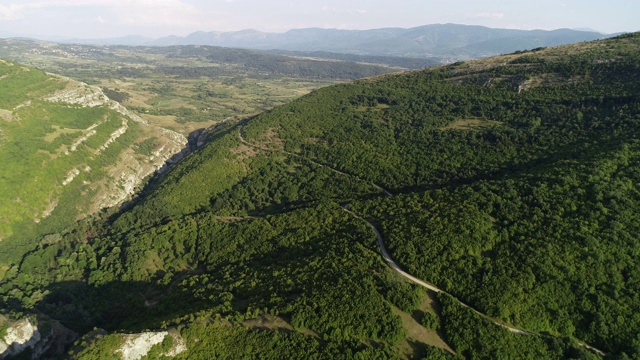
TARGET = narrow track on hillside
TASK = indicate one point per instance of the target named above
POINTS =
(245, 142)
(393, 264)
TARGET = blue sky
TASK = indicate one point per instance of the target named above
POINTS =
(155, 18)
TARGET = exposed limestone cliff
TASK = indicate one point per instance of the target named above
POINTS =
(79, 93)
(23, 334)
(138, 345)
(126, 174)
(19, 336)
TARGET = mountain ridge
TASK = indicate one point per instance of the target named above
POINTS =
(450, 41)
(426, 40)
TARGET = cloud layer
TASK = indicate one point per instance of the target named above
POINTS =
(150, 12)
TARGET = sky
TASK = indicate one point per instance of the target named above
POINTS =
(156, 18)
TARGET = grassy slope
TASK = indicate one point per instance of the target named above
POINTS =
(54, 170)
(35, 134)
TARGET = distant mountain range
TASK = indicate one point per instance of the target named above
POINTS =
(448, 41)
(430, 40)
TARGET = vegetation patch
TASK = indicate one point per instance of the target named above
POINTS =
(269, 322)
(6, 115)
(58, 131)
(420, 337)
(471, 124)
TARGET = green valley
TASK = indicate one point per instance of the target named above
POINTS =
(509, 185)
(185, 88)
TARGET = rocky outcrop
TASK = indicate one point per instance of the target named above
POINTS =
(125, 175)
(19, 336)
(72, 175)
(116, 106)
(136, 346)
(129, 171)
(24, 334)
(114, 136)
(79, 141)
(79, 93)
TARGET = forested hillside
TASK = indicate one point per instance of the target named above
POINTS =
(510, 183)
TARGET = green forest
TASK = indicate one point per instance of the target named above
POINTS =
(510, 183)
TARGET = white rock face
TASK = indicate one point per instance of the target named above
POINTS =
(138, 345)
(19, 336)
(70, 176)
(179, 346)
(176, 137)
(126, 173)
(115, 135)
(79, 93)
(116, 106)
(82, 94)
(24, 104)
(79, 141)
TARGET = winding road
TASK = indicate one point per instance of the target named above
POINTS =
(387, 257)
(393, 264)
(415, 280)
(389, 260)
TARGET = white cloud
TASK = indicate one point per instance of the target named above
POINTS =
(11, 12)
(333, 9)
(487, 15)
(142, 12)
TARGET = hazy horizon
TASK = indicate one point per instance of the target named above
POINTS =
(96, 19)
(41, 36)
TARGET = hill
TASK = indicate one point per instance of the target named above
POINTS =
(446, 41)
(183, 61)
(68, 151)
(394, 61)
(434, 42)
(188, 88)
(508, 184)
